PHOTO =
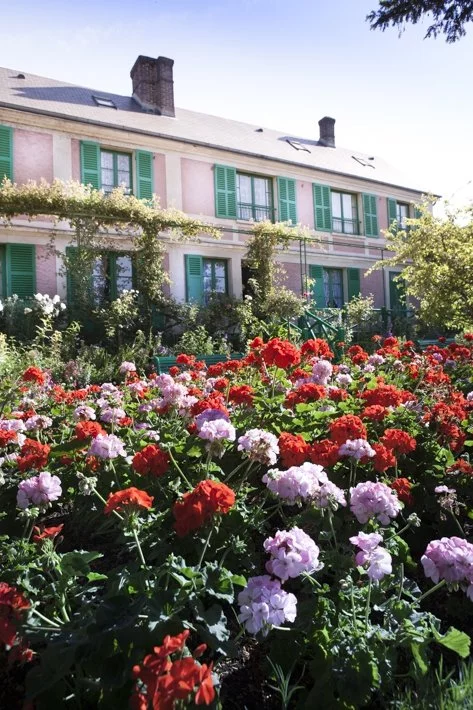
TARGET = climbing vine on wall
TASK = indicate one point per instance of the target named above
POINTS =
(96, 219)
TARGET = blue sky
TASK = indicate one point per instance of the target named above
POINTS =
(278, 63)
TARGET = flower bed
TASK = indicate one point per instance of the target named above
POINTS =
(277, 518)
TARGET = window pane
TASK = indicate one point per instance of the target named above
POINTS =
(219, 285)
(336, 204)
(347, 207)
(124, 273)
(337, 288)
(123, 162)
(402, 213)
(99, 280)
(107, 180)
(261, 192)
(219, 270)
(106, 160)
(244, 189)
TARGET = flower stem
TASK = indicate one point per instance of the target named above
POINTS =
(104, 501)
(368, 605)
(45, 618)
(140, 551)
(204, 549)
(179, 470)
(430, 591)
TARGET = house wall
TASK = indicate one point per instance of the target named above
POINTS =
(48, 147)
(32, 156)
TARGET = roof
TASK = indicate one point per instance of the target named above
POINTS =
(56, 98)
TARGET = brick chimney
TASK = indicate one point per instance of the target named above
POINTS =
(327, 131)
(153, 85)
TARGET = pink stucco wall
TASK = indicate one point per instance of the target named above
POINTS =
(75, 152)
(197, 187)
(305, 204)
(46, 278)
(160, 178)
(382, 214)
(32, 156)
(374, 283)
(291, 279)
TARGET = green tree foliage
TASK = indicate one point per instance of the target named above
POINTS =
(448, 17)
(437, 256)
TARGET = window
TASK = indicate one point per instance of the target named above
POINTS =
(254, 197)
(402, 213)
(115, 169)
(333, 288)
(102, 101)
(215, 277)
(112, 273)
(18, 270)
(344, 213)
(205, 276)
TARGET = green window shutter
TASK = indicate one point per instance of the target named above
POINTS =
(225, 191)
(318, 293)
(194, 278)
(21, 270)
(287, 200)
(90, 164)
(370, 214)
(6, 153)
(417, 213)
(353, 279)
(112, 275)
(322, 208)
(392, 211)
(71, 281)
(144, 175)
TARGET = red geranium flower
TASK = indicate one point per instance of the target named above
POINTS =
(174, 370)
(293, 449)
(198, 506)
(375, 412)
(34, 374)
(346, 427)
(308, 392)
(214, 401)
(383, 458)
(7, 436)
(461, 466)
(403, 486)
(324, 453)
(398, 441)
(88, 430)
(151, 460)
(221, 384)
(384, 396)
(12, 604)
(281, 353)
(316, 347)
(184, 359)
(128, 498)
(241, 394)
(33, 455)
(46, 533)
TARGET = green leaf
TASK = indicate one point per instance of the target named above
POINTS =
(96, 577)
(455, 640)
(74, 445)
(239, 580)
(76, 563)
(420, 658)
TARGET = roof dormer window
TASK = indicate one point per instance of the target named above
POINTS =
(102, 101)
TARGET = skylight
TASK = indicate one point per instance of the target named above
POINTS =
(297, 145)
(102, 101)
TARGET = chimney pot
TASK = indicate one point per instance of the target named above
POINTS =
(327, 131)
(153, 85)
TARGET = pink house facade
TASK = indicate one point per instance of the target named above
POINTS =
(224, 172)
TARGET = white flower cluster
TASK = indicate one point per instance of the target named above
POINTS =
(49, 306)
